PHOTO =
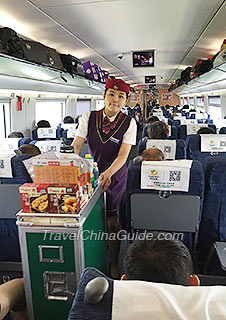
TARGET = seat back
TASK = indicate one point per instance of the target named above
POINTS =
(196, 189)
(180, 148)
(23, 141)
(55, 133)
(20, 174)
(158, 218)
(143, 300)
(213, 223)
(182, 131)
(9, 240)
(193, 144)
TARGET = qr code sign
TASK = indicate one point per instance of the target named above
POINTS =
(175, 176)
(2, 166)
(167, 149)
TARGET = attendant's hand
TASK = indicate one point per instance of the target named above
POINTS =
(106, 180)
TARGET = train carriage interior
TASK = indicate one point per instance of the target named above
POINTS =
(59, 59)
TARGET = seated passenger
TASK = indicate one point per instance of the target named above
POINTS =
(28, 149)
(158, 130)
(159, 260)
(16, 134)
(151, 154)
(43, 124)
(152, 119)
(206, 130)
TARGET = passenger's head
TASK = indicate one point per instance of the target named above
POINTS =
(158, 130)
(159, 260)
(68, 119)
(16, 134)
(152, 119)
(43, 124)
(206, 130)
(28, 149)
(152, 154)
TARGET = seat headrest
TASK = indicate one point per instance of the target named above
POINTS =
(147, 300)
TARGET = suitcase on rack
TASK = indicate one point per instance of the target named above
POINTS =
(72, 64)
(36, 52)
(11, 43)
(55, 59)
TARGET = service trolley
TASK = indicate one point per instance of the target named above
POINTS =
(55, 248)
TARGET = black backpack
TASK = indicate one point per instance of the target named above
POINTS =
(185, 75)
(11, 43)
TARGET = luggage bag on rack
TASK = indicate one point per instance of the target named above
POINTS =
(36, 52)
(72, 64)
(55, 59)
(11, 43)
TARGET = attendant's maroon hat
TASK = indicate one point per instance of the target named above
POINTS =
(117, 84)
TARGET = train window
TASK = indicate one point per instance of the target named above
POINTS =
(200, 101)
(191, 101)
(215, 112)
(82, 106)
(185, 100)
(51, 110)
(4, 118)
(214, 100)
(99, 104)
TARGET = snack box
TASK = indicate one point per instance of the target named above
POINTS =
(64, 198)
(34, 197)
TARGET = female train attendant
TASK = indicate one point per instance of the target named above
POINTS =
(110, 135)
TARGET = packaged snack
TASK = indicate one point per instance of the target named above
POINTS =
(34, 197)
(64, 198)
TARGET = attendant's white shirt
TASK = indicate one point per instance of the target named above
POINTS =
(129, 136)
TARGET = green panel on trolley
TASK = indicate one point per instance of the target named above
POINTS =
(94, 239)
(42, 307)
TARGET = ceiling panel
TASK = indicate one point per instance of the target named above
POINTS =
(98, 30)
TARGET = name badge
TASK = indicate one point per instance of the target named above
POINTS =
(114, 140)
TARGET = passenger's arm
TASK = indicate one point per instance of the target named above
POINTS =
(77, 144)
(116, 165)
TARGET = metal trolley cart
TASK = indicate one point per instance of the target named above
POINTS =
(55, 249)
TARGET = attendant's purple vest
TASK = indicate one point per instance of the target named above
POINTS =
(105, 147)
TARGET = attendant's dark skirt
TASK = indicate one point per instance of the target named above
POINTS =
(115, 191)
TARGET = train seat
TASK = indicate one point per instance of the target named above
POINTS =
(133, 189)
(182, 131)
(9, 239)
(193, 143)
(213, 222)
(180, 148)
(23, 141)
(173, 134)
(109, 299)
(69, 135)
(177, 123)
(19, 172)
(222, 130)
(47, 145)
(46, 133)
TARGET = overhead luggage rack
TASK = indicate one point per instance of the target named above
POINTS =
(215, 79)
(24, 75)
